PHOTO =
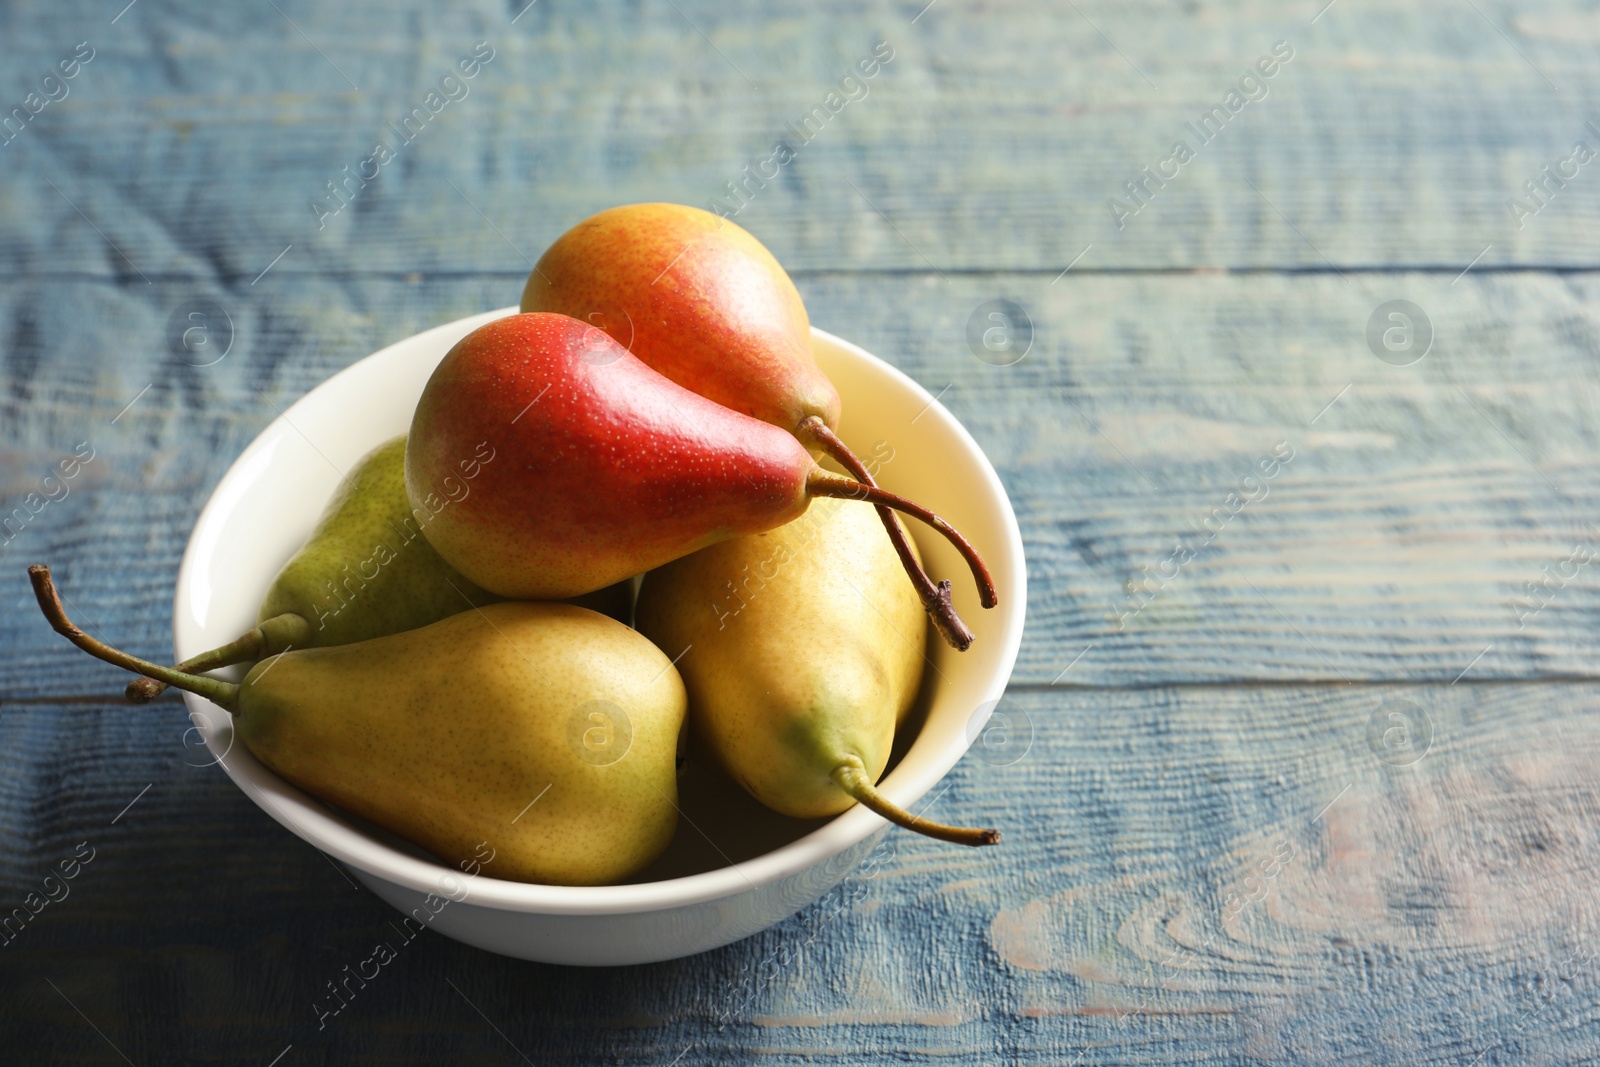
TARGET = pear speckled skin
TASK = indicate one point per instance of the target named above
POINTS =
(367, 570)
(603, 468)
(698, 299)
(805, 645)
(445, 734)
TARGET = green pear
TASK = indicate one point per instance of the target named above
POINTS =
(366, 571)
(802, 648)
(545, 730)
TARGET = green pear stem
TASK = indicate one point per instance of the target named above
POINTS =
(143, 690)
(825, 483)
(270, 637)
(851, 776)
(935, 598)
(223, 694)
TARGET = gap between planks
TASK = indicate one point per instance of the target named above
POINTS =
(1203, 270)
(169, 697)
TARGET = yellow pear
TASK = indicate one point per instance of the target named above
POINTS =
(801, 648)
(546, 730)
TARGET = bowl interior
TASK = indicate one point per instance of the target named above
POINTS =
(268, 502)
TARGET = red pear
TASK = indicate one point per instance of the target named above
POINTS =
(703, 302)
(602, 467)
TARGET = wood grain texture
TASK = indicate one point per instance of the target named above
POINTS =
(1397, 543)
(994, 140)
(1419, 913)
(1254, 820)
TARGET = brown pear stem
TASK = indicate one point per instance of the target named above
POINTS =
(824, 483)
(851, 776)
(935, 598)
(223, 694)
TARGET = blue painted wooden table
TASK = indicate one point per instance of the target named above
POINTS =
(1309, 672)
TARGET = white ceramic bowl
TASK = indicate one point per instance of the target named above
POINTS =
(268, 502)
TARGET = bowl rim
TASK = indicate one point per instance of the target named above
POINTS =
(322, 828)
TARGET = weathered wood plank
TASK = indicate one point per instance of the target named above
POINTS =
(1420, 912)
(994, 139)
(1397, 543)
(1420, 500)
(1435, 911)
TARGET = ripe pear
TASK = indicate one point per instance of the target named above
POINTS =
(702, 301)
(605, 468)
(801, 651)
(546, 730)
(697, 298)
(366, 571)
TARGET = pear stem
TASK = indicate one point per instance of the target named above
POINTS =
(223, 694)
(935, 598)
(824, 483)
(851, 776)
(269, 637)
(251, 645)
